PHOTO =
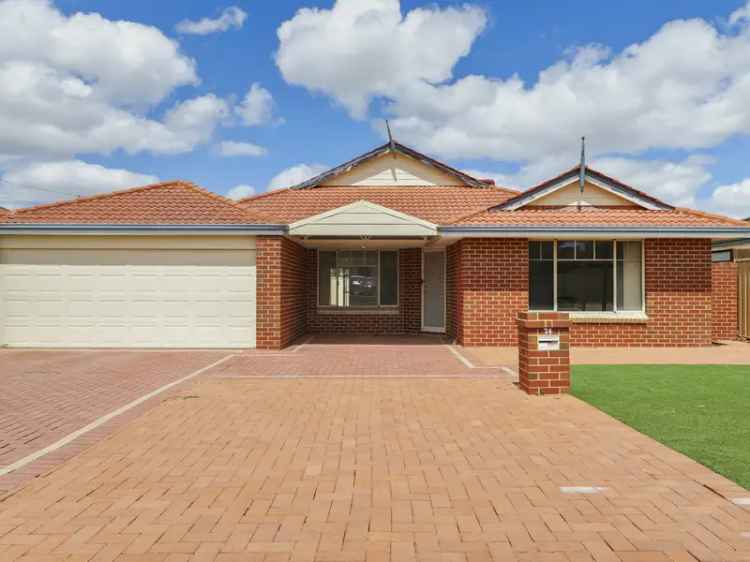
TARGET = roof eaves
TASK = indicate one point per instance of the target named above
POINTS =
(652, 231)
(254, 228)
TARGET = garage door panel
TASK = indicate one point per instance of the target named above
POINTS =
(54, 303)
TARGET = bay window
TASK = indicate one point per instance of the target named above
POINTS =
(357, 278)
(586, 275)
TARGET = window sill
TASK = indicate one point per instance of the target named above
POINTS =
(608, 317)
(350, 311)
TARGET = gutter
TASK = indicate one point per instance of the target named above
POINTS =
(734, 243)
(144, 229)
(623, 231)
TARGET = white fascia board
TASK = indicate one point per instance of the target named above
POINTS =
(141, 230)
(593, 232)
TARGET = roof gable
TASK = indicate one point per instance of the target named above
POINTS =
(435, 168)
(565, 190)
(362, 218)
(392, 170)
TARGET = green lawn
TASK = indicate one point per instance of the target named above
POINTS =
(702, 411)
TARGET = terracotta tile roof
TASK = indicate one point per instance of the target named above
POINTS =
(437, 204)
(175, 202)
(598, 216)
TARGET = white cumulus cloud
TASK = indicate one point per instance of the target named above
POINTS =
(359, 50)
(257, 106)
(233, 148)
(732, 199)
(85, 84)
(685, 87)
(42, 182)
(296, 174)
(241, 191)
(232, 17)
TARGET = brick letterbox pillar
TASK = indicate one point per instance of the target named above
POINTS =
(544, 352)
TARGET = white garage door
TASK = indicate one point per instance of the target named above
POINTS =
(128, 298)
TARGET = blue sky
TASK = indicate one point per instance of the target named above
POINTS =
(460, 81)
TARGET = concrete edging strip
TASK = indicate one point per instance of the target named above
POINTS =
(104, 419)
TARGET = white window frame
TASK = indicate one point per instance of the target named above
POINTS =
(380, 280)
(614, 310)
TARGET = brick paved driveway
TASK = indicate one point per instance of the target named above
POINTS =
(457, 468)
(47, 394)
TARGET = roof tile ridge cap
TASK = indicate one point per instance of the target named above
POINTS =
(248, 213)
(97, 196)
(471, 215)
(251, 198)
(212, 194)
(696, 212)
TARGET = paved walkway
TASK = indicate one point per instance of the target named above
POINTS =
(724, 353)
(375, 469)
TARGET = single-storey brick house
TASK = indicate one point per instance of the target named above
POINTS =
(392, 242)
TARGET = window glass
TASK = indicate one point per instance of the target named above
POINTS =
(585, 286)
(327, 280)
(584, 250)
(566, 250)
(604, 249)
(388, 278)
(541, 276)
(357, 278)
(629, 276)
(362, 286)
(725, 255)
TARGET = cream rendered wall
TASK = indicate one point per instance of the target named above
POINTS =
(571, 195)
(390, 170)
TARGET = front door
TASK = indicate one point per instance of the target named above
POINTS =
(433, 291)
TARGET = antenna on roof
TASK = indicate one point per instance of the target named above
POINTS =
(390, 137)
(582, 170)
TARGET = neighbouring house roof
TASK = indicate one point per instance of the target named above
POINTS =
(175, 202)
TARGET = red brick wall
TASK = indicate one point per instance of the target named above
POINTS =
(454, 292)
(488, 287)
(491, 285)
(280, 270)
(406, 319)
(724, 282)
(678, 300)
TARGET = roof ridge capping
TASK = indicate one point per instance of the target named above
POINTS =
(403, 149)
(616, 186)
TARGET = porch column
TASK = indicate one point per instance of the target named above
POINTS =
(281, 297)
(544, 352)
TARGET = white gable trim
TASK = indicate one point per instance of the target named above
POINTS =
(606, 186)
(362, 218)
